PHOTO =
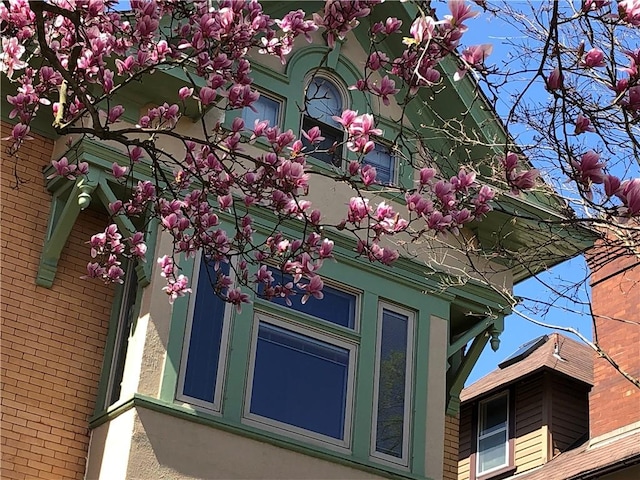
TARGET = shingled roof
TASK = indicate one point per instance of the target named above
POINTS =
(557, 353)
(591, 459)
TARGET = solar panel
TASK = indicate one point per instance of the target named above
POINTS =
(523, 351)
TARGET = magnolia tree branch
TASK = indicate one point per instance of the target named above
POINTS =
(594, 345)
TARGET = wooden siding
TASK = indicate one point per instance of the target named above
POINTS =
(569, 414)
(529, 434)
(466, 415)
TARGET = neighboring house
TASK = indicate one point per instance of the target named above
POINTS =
(113, 382)
(555, 410)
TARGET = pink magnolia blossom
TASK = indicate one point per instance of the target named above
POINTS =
(474, 57)
(630, 193)
(421, 29)
(358, 209)
(368, 174)
(583, 124)
(554, 80)
(460, 11)
(312, 289)
(629, 11)
(12, 51)
(611, 185)
(314, 135)
(594, 58)
(177, 288)
(589, 168)
(426, 175)
(118, 171)
(237, 297)
(384, 89)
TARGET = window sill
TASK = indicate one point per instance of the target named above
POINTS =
(497, 474)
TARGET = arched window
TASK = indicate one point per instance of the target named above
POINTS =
(324, 100)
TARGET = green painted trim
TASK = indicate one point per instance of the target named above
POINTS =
(107, 357)
(144, 270)
(456, 379)
(179, 315)
(473, 332)
(365, 377)
(62, 219)
(186, 413)
(235, 382)
(60, 227)
(348, 274)
(420, 440)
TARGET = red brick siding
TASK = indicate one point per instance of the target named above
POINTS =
(52, 339)
(614, 401)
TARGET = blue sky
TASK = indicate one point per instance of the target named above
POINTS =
(484, 29)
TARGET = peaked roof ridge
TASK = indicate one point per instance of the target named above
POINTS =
(557, 352)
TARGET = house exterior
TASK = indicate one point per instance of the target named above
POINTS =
(113, 382)
(556, 410)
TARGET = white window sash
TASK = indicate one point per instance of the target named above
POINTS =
(501, 430)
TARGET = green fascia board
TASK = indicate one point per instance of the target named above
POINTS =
(521, 225)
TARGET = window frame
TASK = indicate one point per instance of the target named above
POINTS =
(263, 304)
(281, 101)
(215, 406)
(275, 426)
(404, 461)
(507, 429)
(393, 180)
(345, 98)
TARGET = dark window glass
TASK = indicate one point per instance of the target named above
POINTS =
(300, 381)
(123, 332)
(324, 101)
(384, 162)
(267, 109)
(392, 382)
(206, 337)
(336, 307)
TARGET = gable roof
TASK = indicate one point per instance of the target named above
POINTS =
(590, 461)
(576, 361)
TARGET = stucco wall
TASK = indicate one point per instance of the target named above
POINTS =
(52, 339)
(164, 446)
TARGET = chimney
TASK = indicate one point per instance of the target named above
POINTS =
(614, 402)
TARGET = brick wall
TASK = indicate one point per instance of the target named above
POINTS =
(451, 431)
(614, 402)
(52, 339)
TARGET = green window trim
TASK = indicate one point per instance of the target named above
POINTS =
(375, 289)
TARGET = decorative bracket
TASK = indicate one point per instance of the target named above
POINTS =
(65, 208)
(69, 199)
(461, 363)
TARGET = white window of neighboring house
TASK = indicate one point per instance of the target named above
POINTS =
(324, 99)
(205, 348)
(393, 382)
(384, 161)
(301, 377)
(267, 108)
(493, 434)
